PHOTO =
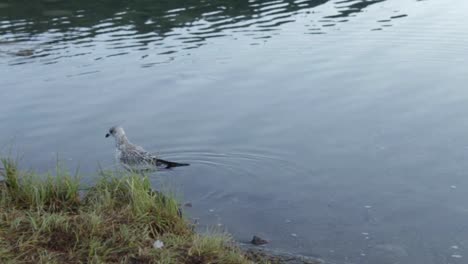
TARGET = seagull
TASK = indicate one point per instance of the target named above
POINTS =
(134, 157)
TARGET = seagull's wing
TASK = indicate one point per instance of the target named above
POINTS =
(135, 155)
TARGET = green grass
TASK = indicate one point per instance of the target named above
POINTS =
(46, 219)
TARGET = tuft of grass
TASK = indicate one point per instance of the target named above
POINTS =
(45, 219)
(28, 191)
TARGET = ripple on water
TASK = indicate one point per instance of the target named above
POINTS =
(245, 162)
(245, 167)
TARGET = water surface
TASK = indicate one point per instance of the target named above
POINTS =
(336, 129)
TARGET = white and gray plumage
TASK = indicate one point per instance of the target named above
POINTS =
(134, 157)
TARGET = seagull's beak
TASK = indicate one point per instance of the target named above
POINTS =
(107, 135)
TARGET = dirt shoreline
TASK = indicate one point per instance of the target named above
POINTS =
(277, 256)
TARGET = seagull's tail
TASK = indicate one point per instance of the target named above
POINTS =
(170, 164)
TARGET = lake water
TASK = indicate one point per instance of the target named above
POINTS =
(336, 129)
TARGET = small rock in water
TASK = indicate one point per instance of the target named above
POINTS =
(457, 256)
(24, 52)
(258, 241)
(158, 244)
(188, 204)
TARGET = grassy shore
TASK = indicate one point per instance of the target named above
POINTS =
(47, 219)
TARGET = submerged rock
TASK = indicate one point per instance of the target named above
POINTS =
(258, 241)
(393, 249)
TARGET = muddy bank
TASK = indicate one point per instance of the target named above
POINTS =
(259, 253)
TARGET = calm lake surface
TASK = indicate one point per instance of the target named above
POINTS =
(336, 129)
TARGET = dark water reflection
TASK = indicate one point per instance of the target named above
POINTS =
(331, 128)
(50, 29)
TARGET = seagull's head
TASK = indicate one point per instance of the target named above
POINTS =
(116, 131)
